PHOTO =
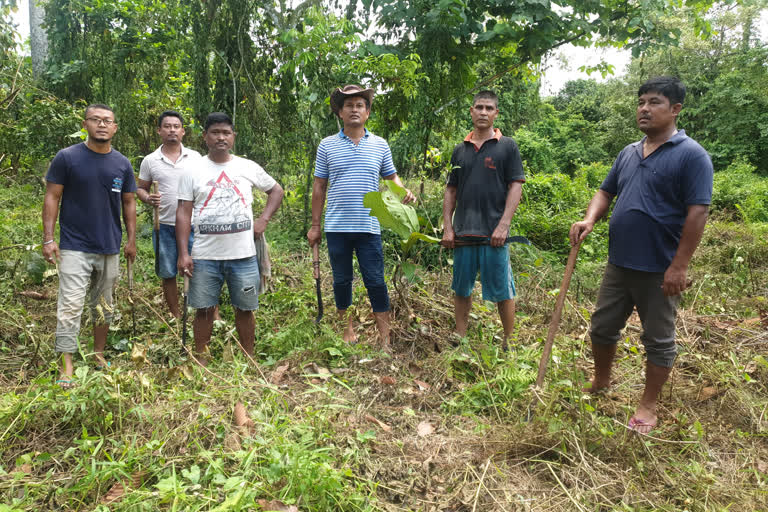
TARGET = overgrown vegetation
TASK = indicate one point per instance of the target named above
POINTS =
(317, 424)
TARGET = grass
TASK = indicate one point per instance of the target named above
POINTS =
(346, 427)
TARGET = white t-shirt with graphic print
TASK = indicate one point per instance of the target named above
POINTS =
(223, 212)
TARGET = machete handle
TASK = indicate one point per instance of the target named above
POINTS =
(316, 260)
(156, 216)
(186, 285)
(130, 274)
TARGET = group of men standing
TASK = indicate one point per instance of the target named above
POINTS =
(663, 184)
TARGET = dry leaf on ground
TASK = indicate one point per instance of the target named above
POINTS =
(423, 386)
(118, 490)
(425, 428)
(34, 295)
(278, 375)
(381, 424)
(387, 380)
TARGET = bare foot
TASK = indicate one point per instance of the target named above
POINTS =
(201, 360)
(596, 387)
(349, 335)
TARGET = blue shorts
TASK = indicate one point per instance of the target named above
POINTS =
(242, 278)
(495, 272)
(168, 252)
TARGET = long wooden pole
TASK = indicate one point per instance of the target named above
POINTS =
(555, 322)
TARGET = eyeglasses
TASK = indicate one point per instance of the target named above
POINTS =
(97, 121)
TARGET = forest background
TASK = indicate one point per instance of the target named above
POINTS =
(443, 416)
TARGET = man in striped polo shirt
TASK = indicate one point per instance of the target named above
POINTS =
(352, 161)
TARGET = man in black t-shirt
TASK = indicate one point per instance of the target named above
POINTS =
(484, 189)
(94, 185)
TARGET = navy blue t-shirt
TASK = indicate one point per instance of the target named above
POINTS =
(92, 199)
(654, 194)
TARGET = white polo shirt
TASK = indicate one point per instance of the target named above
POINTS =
(158, 167)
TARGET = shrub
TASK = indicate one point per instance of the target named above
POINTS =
(741, 193)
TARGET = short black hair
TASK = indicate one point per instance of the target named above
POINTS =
(169, 113)
(669, 86)
(100, 106)
(486, 95)
(217, 118)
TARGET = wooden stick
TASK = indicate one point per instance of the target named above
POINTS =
(555, 322)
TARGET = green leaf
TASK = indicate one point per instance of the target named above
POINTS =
(407, 245)
(193, 474)
(391, 212)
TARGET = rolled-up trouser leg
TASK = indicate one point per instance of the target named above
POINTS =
(614, 305)
(74, 275)
(657, 314)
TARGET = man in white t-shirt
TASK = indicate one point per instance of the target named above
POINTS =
(166, 165)
(219, 194)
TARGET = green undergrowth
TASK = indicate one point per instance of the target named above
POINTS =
(339, 426)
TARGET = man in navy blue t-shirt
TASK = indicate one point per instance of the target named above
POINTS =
(94, 184)
(663, 185)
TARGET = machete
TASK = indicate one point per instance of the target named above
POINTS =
(156, 231)
(470, 241)
(316, 268)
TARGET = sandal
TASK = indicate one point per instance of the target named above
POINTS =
(66, 383)
(640, 426)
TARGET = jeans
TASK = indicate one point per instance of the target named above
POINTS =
(370, 258)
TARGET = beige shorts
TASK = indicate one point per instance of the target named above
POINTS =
(79, 274)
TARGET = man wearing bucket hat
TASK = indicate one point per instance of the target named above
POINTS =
(352, 161)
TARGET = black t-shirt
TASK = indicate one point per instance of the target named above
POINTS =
(482, 177)
(94, 184)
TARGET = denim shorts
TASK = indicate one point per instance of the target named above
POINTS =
(242, 278)
(168, 252)
(495, 272)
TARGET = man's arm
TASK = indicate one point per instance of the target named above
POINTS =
(274, 199)
(183, 227)
(409, 197)
(449, 205)
(53, 192)
(142, 192)
(500, 234)
(319, 190)
(599, 204)
(129, 218)
(675, 276)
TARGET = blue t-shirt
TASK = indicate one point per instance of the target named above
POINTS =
(92, 199)
(654, 194)
(352, 171)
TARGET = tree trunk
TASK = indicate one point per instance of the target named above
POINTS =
(38, 39)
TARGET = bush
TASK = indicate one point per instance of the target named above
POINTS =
(741, 193)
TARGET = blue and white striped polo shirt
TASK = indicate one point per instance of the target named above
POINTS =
(352, 171)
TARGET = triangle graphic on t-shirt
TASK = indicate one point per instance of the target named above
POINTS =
(222, 176)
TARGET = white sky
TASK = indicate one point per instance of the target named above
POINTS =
(558, 69)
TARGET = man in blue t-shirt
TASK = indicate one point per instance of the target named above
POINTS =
(663, 185)
(352, 161)
(92, 184)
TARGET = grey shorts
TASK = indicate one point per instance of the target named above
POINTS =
(79, 274)
(623, 290)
